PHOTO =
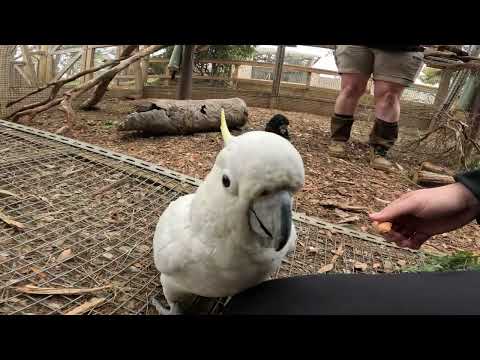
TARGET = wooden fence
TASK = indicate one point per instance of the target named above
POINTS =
(32, 68)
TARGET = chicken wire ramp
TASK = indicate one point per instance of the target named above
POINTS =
(77, 223)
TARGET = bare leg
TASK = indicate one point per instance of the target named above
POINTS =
(387, 100)
(351, 90)
(385, 130)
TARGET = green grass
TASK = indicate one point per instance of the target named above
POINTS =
(473, 165)
(108, 124)
(462, 260)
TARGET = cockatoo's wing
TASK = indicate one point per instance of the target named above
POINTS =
(172, 248)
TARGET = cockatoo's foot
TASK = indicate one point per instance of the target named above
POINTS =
(174, 310)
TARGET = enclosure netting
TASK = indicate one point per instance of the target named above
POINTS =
(452, 135)
(87, 218)
(12, 84)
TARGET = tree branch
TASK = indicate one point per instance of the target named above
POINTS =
(60, 83)
(102, 87)
(70, 95)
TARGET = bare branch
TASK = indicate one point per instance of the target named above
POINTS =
(70, 95)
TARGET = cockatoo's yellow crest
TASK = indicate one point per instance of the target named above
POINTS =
(224, 128)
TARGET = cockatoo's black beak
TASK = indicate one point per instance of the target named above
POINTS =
(271, 218)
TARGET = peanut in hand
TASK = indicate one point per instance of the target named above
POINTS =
(383, 227)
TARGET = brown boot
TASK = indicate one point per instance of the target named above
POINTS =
(340, 129)
(382, 138)
(378, 159)
(337, 148)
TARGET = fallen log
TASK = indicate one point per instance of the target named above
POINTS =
(428, 166)
(181, 117)
(427, 178)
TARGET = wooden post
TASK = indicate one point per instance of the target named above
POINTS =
(90, 59)
(166, 72)
(442, 91)
(309, 80)
(234, 75)
(184, 90)
(42, 65)
(83, 65)
(118, 52)
(30, 69)
(50, 64)
(277, 75)
(139, 82)
(145, 64)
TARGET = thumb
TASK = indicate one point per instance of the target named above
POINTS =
(397, 208)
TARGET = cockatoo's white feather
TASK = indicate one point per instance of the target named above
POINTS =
(208, 243)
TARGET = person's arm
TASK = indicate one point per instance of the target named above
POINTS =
(418, 215)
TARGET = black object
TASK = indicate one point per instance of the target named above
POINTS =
(226, 181)
(278, 124)
(440, 293)
(341, 127)
(471, 179)
(146, 107)
(383, 136)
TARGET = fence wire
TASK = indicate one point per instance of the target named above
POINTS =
(87, 219)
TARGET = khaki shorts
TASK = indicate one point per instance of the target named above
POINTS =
(392, 66)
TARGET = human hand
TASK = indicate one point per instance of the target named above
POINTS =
(418, 215)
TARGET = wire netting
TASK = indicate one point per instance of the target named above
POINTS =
(88, 218)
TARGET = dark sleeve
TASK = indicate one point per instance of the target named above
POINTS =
(471, 180)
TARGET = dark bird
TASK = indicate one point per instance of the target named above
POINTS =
(278, 124)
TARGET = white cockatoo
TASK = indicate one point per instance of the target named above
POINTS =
(234, 231)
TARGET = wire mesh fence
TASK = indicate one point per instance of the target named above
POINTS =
(77, 222)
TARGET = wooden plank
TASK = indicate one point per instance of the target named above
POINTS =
(257, 64)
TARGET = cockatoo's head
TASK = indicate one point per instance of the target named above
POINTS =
(257, 174)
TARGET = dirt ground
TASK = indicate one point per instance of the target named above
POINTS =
(348, 182)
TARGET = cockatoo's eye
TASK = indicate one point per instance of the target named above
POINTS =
(225, 181)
